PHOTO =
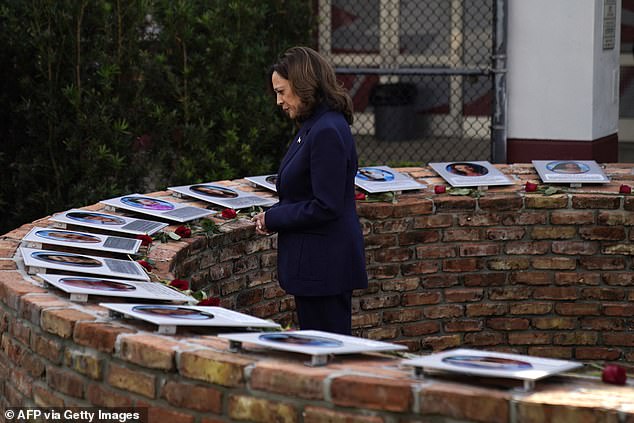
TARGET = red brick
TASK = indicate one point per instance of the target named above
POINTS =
(413, 206)
(160, 414)
(380, 240)
(289, 379)
(373, 393)
(418, 237)
(449, 203)
(385, 271)
(65, 381)
(618, 339)
(224, 369)
(421, 328)
(439, 281)
(554, 263)
(443, 311)
(260, 410)
(463, 295)
(194, 397)
(577, 278)
(557, 293)
(603, 324)
(453, 235)
(383, 301)
(479, 219)
(478, 250)
(461, 265)
(463, 325)
(465, 403)
(479, 339)
(45, 397)
(531, 278)
(553, 232)
(101, 396)
(602, 233)
(602, 263)
(419, 267)
(46, 347)
(515, 293)
(486, 310)
(597, 353)
(576, 338)
(508, 323)
(577, 309)
(62, 322)
(13, 287)
(624, 310)
(504, 234)
(582, 201)
(530, 338)
(501, 203)
(575, 247)
(100, 336)
(531, 308)
(527, 247)
(406, 284)
(568, 217)
(374, 210)
(314, 414)
(546, 202)
(132, 380)
(551, 352)
(387, 255)
(382, 333)
(603, 294)
(489, 279)
(614, 218)
(391, 226)
(433, 221)
(525, 218)
(402, 315)
(548, 323)
(365, 320)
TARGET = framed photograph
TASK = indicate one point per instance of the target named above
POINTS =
(106, 221)
(574, 172)
(224, 196)
(157, 207)
(316, 344)
(40, 261)
(470, 174)
(80, 287)
(169, 317)
(37, 237)
(264, 181)
(493, 364)
(384, 179)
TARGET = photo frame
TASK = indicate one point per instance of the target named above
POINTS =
(317, 344)
(81, 287)
(493, 364)
(42, 261)
(470, 174)
(152, 206)
(373, 179)
(38, 237)
(264, 181)
(106, 221)
(573, 172)
(169, 317)
(223, 196)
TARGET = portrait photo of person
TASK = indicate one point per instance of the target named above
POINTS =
(68, 236)
(173, 312)
(487, 362)
(467, 169)
(69, 259)
(147, 203)
(567, 167)
(374, 174)
(214, 191)
(98, 218)
(300, 339)
(97, 284)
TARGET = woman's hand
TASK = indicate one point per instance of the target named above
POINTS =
(260, 224)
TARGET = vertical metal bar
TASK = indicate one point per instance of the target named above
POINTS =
(499, 117)
(325, 36)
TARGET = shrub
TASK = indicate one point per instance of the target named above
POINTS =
(102, 98)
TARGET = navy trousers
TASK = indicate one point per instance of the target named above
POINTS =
(332, 313)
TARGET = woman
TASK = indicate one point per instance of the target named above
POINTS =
(320, 253)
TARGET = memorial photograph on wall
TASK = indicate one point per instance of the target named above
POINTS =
(37, 237)
(106, 221)
(264, 181)
(169, 210)
(570, 171)
(492, 364)
(375, 179)
(42, 261)
(79, 287)
(470, 174)
(168, 317)
(224, 196)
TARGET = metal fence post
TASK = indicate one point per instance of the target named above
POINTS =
(499, 117)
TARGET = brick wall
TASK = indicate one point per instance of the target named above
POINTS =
(543, 275)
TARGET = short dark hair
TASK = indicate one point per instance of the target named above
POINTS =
(313, 80)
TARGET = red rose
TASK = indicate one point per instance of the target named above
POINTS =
(183, 232)
(180, 284)
(360, 196)
(440, 189)
(625, 189)
(229, 213)
(614, 374)
(145, 239)
(530, 187)
(147, 266)
(209, 302)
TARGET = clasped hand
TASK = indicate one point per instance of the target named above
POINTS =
(260, 224)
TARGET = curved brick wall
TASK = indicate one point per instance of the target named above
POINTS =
(528, 273)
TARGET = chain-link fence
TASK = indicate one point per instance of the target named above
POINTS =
(419, 75)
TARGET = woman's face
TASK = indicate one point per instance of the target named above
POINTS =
(285, 97)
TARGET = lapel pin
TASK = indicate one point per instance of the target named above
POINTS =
(299, 140)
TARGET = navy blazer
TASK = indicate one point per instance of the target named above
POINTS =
(320, 247)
